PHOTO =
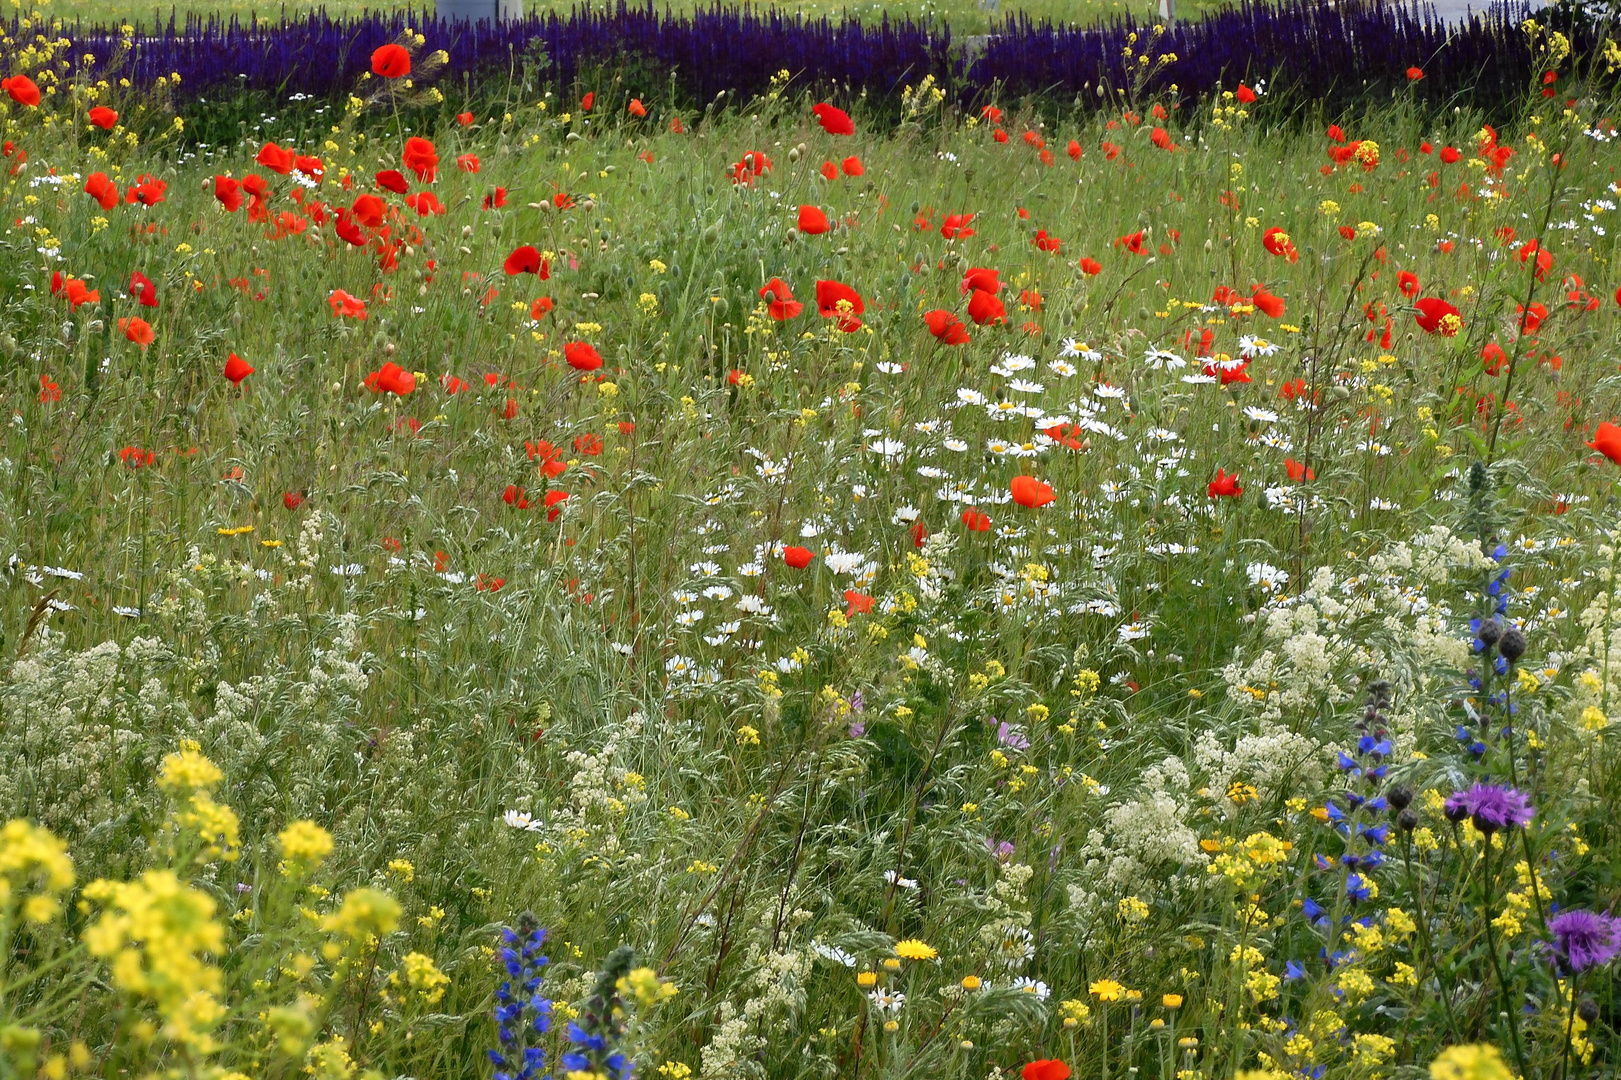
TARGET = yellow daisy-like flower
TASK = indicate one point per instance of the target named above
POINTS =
(1107, 990)
(1476, 1062)
(913, 949)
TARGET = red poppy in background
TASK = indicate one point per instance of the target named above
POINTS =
(835, 300)
(781, 303)
(976, 521)
(955, 226)
(1414, 74)
(101, 189)
(1224, 486)
(636, 108)
(142, 290)
(1245, 95)
(237, 369)
(391, 61)
(1030, 492)
(812, 221)
(103, 117)
(588, 100)
(1161, 138)
(148, 190)
(581, 356)
(1407, 282)
(852, 166)
(292, 500)
(464, 118)
(1074, 150)
(1297, 470)
(419, 156)
(22, 90)
(514, 496)
(1277, 242)
(467, 163)
(554, 501)
(228, 192)
(278, 159)
(859, 603)
(986, 308)
(797, 557)
(496, 200)
(344, 305)
(540, 308)
(834, 121)
(368, 210)
(1091, 267)
(1607, 441)
(1046, 243)
(1266, 303)
(74, 290)
(523, 260)
(749, 168)
(1132, 242)
(1045, 1070)
(137, 330)
(1492, 358)
(981, 278)
(946, 327)
(425, 203)
(391, 379)
(393, 180)
(1436, 316)
(135, 457)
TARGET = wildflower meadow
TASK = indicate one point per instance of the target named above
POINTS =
(512, 579)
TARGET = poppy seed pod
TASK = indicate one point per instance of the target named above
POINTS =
(1512, 647)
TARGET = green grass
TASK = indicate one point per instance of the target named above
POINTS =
(1096, 740)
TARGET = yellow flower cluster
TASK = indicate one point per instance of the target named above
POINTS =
(32, 858)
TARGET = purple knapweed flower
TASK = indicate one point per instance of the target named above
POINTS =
(1491, 807)
(1585, 939)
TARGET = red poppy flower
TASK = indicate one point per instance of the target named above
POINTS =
(588, 100)
(391, 61)
(147, 190)
(835, 300)
(982, 278)
(1532, 320)
(1297, 470)
(278, 159)
(955, 226)
(137, 330)
(1266, 303)
(1277, 242)
(228, 192)
(781, 303)
(425, 203)
(588, 444)
(142, 290)
(344, 305)
(1046, 243)
(830, 171)
(419, 156)
(22, 90)
(540, 308)
(48, 390)
(812, 221)
(393, 180)
(497, 200)
(1028, 491)
(292, 500)
(514, 496)
(1224, 485)
(73, 289)
(1045, 1070)
(1492, 358)
(1544, 258)
(554, 501)
(467, 163)
(1245, 95)
(976, 521)
(1074, 150)
(369, 210)
(464, 118)
(1161, 138)
(391, 379)
(582, 357)
(1407, 282)
(1091, 267)
(986, 308)
(991, 113)
(1335, 133)
(946, 327)
(101, 189)
(834, 121)
(1607, 441)
(852, 166)
(636, 108)
(749, 168)
(1414, 74)
(859, 603)
(237, 369)
(797, 557)
(523, 260)
(1132, 242)
(103, 117)
(135, 457)
(1436, 316)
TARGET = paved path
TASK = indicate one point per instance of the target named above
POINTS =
(1454, 11)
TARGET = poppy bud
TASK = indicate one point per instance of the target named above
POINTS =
(1407, 819)
(1512, 646)
(1401, 797)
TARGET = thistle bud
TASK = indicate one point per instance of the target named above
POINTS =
(1512, 647)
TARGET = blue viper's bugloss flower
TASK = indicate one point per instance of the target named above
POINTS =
(1332, 54)
(521, 1013)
